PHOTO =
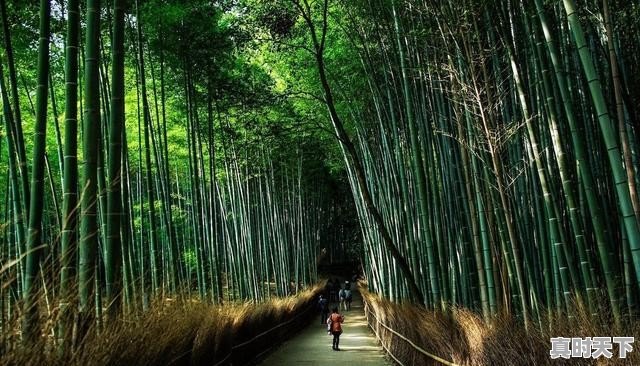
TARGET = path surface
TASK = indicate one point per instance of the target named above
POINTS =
(312, 346)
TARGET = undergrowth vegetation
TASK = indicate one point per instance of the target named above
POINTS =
(172, 332)
(461, 336)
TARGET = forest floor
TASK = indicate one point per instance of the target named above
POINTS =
(312, 346)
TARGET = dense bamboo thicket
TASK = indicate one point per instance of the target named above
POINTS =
(141, 163)
(494, 145)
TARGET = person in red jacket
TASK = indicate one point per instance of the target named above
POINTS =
(335, 321)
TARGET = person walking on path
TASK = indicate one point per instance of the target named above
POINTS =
(323, 306)
(336, 289)
(348, 297)
(342, 295)
(335, 321)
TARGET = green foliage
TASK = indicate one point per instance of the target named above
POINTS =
(190, 260)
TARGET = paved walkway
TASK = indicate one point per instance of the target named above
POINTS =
(312, 346)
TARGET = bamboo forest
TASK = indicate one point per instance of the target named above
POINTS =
(182, 180)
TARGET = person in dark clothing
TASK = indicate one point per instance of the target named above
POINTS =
(335, 321)
(336, 289)
(323, 306)
(331, 289)
(326, 291)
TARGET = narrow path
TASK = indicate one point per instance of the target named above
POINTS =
(312, 346)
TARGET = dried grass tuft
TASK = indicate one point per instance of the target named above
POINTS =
(172, 332)
(463, 337)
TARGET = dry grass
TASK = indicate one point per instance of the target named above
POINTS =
(175, 333)
(463, 337)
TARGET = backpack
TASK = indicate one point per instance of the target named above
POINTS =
(348, 295)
